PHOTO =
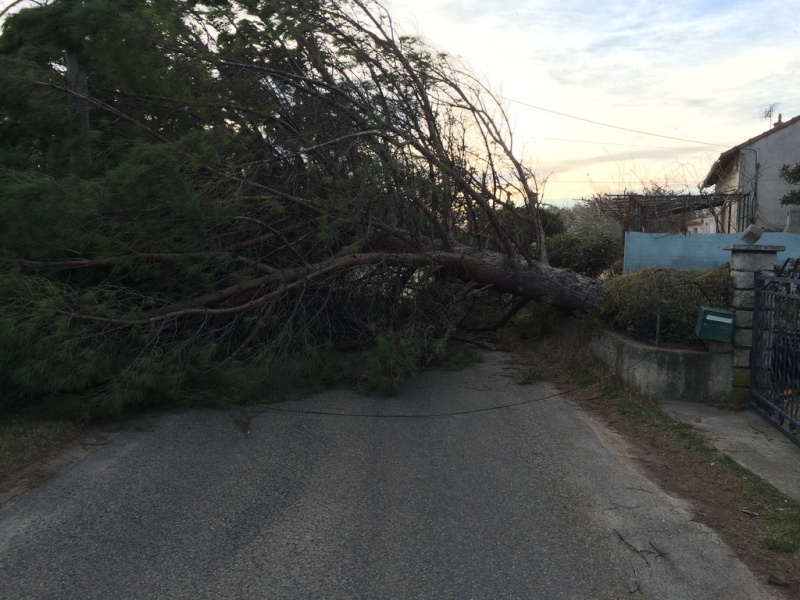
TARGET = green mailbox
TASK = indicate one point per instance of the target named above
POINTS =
(715, 324)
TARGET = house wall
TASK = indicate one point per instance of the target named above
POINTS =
(772, 152)
(729, 182)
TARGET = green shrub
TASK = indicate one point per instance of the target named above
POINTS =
(588, 255)
(633, 301)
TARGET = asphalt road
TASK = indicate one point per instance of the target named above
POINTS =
(532, 501)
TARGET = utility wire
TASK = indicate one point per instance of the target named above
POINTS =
(424, 415)
(658, 135)
(474, 410)
(554, 139)
(589, 180)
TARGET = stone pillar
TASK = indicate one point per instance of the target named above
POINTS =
(793, 220)
(746, 263)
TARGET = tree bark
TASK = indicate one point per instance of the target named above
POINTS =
(536, 281)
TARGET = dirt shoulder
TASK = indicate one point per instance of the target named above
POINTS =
(32, 452)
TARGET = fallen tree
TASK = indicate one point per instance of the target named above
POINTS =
(187, 187)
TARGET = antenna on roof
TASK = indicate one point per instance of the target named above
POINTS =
(769, 112)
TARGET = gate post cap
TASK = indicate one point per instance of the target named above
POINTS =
(752, 234)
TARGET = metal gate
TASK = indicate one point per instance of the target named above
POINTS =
(775, 354)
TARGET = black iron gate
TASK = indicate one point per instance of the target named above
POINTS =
(775, 354)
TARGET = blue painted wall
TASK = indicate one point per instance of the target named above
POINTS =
(695, 250)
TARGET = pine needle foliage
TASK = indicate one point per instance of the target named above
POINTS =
(199, 194)
(791, 175)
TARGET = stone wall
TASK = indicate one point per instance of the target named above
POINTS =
(747, 262)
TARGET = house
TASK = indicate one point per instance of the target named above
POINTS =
(701, 222)
(752, 170)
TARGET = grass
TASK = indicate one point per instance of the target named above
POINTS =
(23, 440)
(780, 545)
(531, 375)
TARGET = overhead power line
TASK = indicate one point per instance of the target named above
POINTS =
(553, 139)
(438, 415)
(658, 135)
(616, 181)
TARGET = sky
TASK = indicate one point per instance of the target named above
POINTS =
(703, 71)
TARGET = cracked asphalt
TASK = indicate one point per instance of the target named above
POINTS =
(530, 501)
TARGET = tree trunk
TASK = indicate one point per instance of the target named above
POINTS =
(536, 281)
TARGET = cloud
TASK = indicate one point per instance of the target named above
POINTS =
(619, 46)
(665, 155)
(471, 10)
(695, 69)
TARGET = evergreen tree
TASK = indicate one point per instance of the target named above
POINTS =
(196, 193)
(791, 175)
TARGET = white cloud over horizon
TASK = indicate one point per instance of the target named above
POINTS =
(692, 69)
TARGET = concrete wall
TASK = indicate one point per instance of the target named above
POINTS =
(667, 374)
(696, 250)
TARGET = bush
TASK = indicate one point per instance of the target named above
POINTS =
(588, 255)
(631, 304)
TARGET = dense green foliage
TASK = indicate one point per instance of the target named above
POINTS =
(791, 174)
(585, 254)
(634, 301)
(212, 195)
